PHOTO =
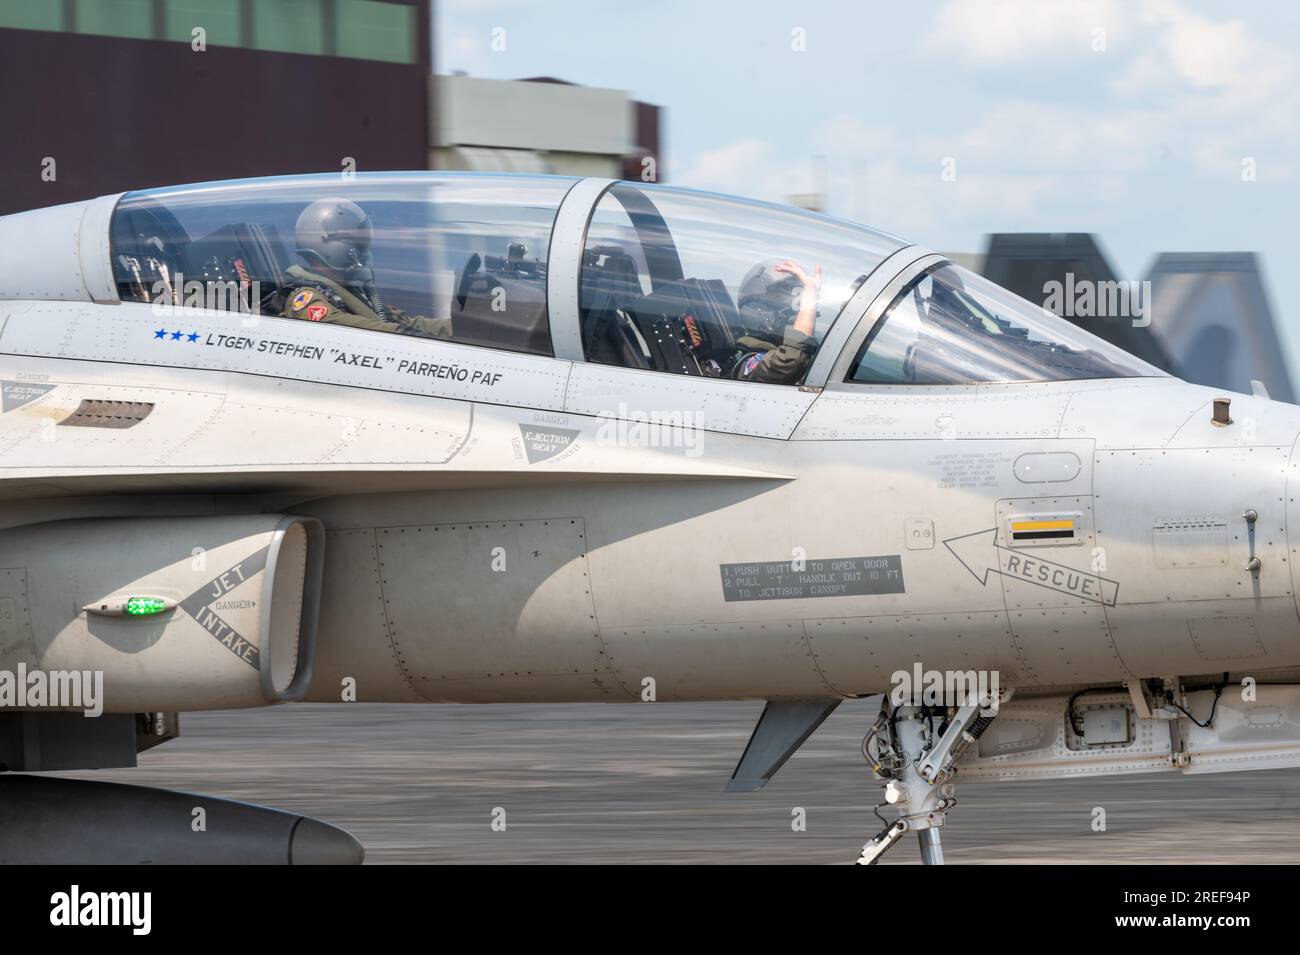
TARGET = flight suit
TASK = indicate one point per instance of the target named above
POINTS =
(783, 365)
(315, 298)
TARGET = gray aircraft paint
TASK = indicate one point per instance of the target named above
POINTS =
(832, 577)
(380, 435)
(15, 394)
(339, 514)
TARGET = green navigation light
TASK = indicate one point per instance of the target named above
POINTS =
(144, 606)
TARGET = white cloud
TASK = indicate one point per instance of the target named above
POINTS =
(916, 202)
(461, 47)
(902, 194)
(848, 135)
(1042, 136)
(1182, 49)
(482, 6)
(1211, 91)
(747, 167)
(1168, 45)
(1188, 89)
(1006, 31)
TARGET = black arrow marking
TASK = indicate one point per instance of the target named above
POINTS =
(198, 606)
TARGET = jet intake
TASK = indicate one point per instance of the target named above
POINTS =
(176, 614)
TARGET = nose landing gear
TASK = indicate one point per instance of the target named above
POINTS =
(914, 750)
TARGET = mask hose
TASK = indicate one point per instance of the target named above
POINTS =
(371, 296)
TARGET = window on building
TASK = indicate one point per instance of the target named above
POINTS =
(361, 29)
(218, 18)
(127, 18)
(289, 26)
(26, 15)
(372, 30)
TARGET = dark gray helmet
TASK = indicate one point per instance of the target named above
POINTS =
(768, 299)
(336, 233)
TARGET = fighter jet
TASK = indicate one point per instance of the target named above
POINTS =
(433, 437)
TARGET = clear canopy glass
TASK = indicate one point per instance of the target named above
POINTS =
(461, 257)
(952, 327)
(702, 284)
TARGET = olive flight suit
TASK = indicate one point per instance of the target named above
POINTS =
(783, 365)
(316, 298)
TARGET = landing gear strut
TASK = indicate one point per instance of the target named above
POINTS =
(914, 750)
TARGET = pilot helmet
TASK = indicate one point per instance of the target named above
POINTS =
(768, 299)
(336, 233)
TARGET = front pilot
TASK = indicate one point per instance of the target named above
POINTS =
(333, 238)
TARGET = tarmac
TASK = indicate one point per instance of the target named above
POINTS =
(594, 783)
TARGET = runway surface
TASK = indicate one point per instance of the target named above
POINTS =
(643, 783)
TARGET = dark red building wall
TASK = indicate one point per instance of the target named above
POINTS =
(119, 114)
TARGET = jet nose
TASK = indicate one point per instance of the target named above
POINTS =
(318, 843)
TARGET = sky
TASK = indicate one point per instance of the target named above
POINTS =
(1160, 125)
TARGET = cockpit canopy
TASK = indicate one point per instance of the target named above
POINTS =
(949, 326)
(700, 284)
(669, 280)
(469, 248)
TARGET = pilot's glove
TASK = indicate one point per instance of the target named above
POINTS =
(420, 325)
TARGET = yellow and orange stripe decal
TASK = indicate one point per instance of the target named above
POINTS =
(1066, 525)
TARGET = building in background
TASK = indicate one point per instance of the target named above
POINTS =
(103, 96)
(1213, 319)
(1210, 321)
(542, 125)
(974, 261)
(1025, 262)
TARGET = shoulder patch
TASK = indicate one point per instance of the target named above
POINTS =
(301, 298)
(750, 363)
(316, 312)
